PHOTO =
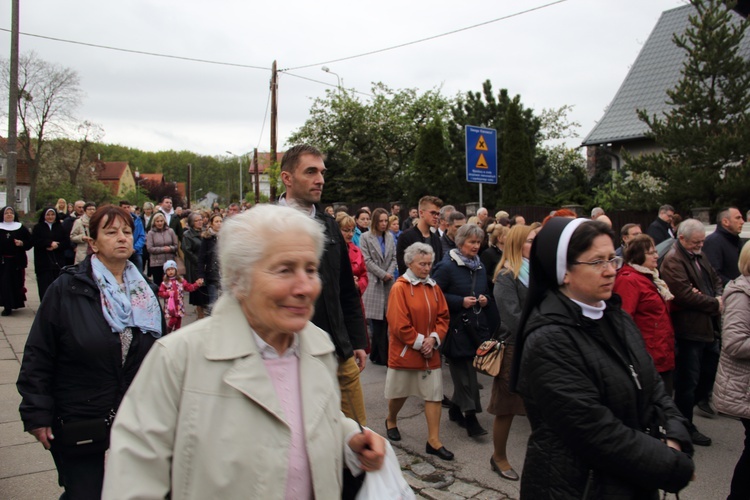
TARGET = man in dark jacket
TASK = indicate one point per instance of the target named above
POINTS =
(429, 217)
(70, 252)
(696, 309)
(338, 310)
(723, 246)
(448, 239)
(661, 229)
(173, 220)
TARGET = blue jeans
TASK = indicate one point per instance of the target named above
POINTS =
(695, 371)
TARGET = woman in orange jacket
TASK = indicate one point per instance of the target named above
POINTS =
(418, 319)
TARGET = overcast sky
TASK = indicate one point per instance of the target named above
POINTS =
(575, 52)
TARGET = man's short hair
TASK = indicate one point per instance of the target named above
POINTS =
(122, 203)
(596, 212)
(430, 200)
(290, 160)
(454, 216)
(690, 226)
(166, 198)
(445, 211)
(666, 208)
(724, 214)
(626, 229)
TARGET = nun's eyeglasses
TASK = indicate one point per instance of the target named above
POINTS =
(600, 265)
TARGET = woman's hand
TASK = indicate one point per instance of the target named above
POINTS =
(54, 245)
(167, 249)
(370, 450)
(388, 277)
(428, 347)
(469, 302)
(482, 300)
(18, 243)
(43, 435)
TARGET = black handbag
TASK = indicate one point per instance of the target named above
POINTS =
(84, 437)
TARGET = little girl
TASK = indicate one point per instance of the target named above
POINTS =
(171, 289)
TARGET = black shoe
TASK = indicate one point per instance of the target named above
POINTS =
(440, 452)
(705, 409)
(472, 426)
(699, 439)
(446, 403)
(509, 474)
(455, 415)
(6, 312)
(393, 433)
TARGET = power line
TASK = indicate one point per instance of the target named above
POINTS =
(265, 115)
(286, 72)
(141, 52)
(393, 47)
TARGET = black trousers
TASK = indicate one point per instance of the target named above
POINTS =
(44, 279)
(741, 479)
(82, 477)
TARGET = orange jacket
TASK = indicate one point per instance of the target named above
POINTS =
(415, 311)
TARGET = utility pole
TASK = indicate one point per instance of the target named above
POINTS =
(274, 89)
(257, 177)
(10, 176)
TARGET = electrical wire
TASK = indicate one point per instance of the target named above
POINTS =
(326, 83)
(265, 115)
(141, 52)
(413, 42)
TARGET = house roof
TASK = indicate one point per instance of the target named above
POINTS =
(264, 161)
(655, 70)
(159, 178)
(111, 170)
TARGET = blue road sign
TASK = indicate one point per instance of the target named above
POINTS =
(481, 155)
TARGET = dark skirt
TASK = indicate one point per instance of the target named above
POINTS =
(502, 401)
(12, 280)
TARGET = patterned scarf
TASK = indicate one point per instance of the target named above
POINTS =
(661, 285)
(130, 304)
(472, 263)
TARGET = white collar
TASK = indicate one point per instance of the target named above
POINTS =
(267, 351)
(10, 226)
(412, 278)
(592, 312)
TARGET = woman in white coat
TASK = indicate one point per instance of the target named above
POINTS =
(379, 250)
(245, 403)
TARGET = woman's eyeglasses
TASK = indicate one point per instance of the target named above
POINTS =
(600, 265)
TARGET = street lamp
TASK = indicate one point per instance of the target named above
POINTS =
(338, 78)
(239, 159)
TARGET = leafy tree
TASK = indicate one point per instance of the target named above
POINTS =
(517, 171)
(48, 96)
(369, 145)
(431, 172)
(706, 132)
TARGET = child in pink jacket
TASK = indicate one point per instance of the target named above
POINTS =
(171, 290)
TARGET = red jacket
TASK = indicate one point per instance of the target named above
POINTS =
(414, 310)
(359, 270)
(650, 311)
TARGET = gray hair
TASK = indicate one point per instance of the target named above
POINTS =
(446, 211)
(468, 231)
(454, 216)
(690, 226)
(596, 212)
(245, 239)
(416, 249)
(666, 208)
(148, 205)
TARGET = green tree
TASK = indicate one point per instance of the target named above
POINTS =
(706, 133)
(430, 172)
(517, 171)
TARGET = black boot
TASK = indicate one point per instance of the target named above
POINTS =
(6, 312)
(455, 415)
(472, 425)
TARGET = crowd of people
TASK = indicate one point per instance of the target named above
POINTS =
(608, 346)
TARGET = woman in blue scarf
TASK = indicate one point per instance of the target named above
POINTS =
(463, 280)
(94, 326)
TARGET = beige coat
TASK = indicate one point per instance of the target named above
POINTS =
(202, 420)
(732, 387)
(80, 229)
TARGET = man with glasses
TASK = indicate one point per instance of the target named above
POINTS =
(661, 229)
(429, 217)
(627, 233)
(695, 312)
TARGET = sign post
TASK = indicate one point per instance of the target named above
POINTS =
(481, 156)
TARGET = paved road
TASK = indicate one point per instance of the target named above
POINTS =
(27, 470)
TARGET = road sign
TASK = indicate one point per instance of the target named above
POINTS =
(481, 155)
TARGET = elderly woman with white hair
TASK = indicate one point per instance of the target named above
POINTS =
(244, 403)
(463, 279)
(418, 320)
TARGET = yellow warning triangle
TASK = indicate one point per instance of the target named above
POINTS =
(481, 145)
(481, 162)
